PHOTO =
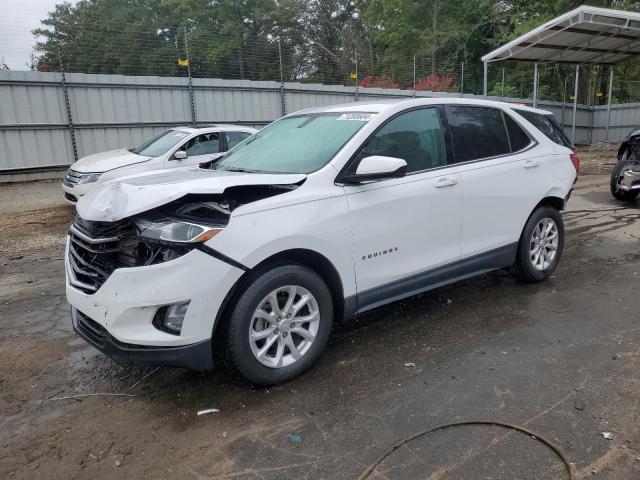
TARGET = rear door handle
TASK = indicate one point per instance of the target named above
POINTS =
(445, 182)
(531, 164)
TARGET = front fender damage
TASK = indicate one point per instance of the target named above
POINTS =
(128, 197)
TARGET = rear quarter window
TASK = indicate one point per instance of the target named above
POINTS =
(518, 138)
(548, 126)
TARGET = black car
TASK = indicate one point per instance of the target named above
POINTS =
(625, 177)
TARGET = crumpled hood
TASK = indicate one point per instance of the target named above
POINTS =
(105, 161)
(129, 196)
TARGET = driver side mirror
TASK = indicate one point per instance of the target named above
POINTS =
(377, 167)
(180, 155)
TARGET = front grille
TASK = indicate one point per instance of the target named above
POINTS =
(91, 329)
(96, 249)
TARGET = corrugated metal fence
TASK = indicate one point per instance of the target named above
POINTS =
(47, 120)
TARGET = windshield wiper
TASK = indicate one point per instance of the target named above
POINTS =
(241, 170)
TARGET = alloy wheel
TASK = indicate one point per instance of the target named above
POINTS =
(284, 326)
(544, 244)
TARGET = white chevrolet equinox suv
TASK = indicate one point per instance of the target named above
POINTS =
(323, 214)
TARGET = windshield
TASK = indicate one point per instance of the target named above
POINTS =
(547, 125)
(299, 144)
(160, 144)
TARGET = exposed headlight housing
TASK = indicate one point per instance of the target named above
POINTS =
(175, 231)
(88, 178)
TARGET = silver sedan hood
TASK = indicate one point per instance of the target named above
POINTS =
(130, 196)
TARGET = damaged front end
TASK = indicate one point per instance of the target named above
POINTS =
(630, 147)
(630, 178)
(164, 233)
(629, 155)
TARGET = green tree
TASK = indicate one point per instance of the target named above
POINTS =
(320, 41)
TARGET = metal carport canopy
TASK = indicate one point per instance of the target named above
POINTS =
(586, 35)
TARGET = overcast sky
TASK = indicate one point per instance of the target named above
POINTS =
(17, 19)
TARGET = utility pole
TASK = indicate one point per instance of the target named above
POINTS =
(434, 31)
(414, 75)
(65, 92)
(191, 94)
(283, 102)
(355, 58)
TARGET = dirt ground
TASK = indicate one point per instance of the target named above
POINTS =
(560, 358)
(596, 162)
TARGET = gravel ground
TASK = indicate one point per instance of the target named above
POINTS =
(560, 358)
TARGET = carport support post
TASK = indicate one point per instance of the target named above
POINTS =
(535, 85)
(462, 79)
(564, 100)
(606, 135)
(575, 106)
(484, 90)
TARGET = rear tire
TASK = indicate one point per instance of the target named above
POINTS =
(623, 195)
(270, 344)
(540, 246)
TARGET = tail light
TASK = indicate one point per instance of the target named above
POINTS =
(576, 162)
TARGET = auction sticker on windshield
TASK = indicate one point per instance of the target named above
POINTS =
(361, 117)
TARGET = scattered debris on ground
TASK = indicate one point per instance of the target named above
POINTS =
(207, 411)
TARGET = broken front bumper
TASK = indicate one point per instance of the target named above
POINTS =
(197, 356)
(120, 313)
(630, 179)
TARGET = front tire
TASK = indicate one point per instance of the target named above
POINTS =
(540, 246)
(616, 173)
(279, 325)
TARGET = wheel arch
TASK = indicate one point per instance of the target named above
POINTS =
(550, 201)
(622, 148)
(301, 256)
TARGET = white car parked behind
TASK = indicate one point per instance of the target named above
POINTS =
(177, 147)
(323, 214)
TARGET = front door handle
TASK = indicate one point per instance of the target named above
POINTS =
(531, 164)
(446, 182)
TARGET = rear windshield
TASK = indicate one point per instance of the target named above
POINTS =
(547, 125)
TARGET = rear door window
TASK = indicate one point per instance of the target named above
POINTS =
(547, 125)
(204, 144)
(478, 132)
